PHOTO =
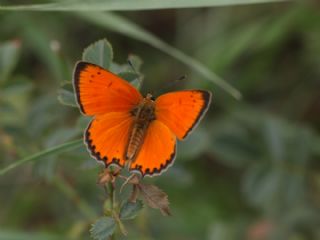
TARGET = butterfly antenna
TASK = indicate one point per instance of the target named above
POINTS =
(131, 65)
(168, 85)
(180, 79)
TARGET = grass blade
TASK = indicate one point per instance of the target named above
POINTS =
(9, 55)
(121, 25)
(129, 5)
(17, 235)
(48, 152)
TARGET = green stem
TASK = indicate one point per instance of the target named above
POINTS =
(111, 195)
(111, 192)
(51, 151)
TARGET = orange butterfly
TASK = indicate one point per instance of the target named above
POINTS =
(131, 129)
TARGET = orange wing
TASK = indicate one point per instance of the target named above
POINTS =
(107, 136)
(182, 110)
(99, 91)
(158, 150)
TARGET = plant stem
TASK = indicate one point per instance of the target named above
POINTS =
(111, 189)
(111, 195)
(113, 204)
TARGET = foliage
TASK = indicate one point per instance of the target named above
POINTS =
(103, 228)
(250, 170)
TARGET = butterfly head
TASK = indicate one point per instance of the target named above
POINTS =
(147, 108)
(149, 97)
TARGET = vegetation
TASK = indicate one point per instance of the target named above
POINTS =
(250, 170)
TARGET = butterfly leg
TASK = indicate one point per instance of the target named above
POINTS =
(133, 179)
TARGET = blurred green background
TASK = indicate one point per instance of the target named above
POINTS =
(251, 169)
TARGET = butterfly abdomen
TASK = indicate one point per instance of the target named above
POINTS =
(136, 139)
(144, 115)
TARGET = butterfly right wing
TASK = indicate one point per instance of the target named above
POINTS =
(181, 111)
(99, 91)
(107, 137)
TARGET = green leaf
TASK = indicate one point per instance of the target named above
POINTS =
(134, 78)
(48, 152)
(130, 210)
(99, 53)
(129, 5)
(129, 76)
(103, 228)
(123, 26)
(83, 122)
(9, 54)
(67, 98)
(136, 62)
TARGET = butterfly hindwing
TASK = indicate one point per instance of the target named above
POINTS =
(181, 111)
(157, 152)
(107, 136)
(99, 91)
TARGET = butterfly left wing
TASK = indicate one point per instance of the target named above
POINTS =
(99, 91)
(157, 152)
(110, 99)
(107, 136)
(181, 111)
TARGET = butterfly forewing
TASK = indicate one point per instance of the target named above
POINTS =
(182, 110)
(99, 91)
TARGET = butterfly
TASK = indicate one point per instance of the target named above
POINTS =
(128, 129)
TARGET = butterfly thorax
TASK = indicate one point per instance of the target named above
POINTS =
(144, 114)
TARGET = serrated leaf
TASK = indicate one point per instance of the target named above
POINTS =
(99, 53)
(136, 62)
(155, 198)
(103, 228)
(130, 210)
(67, 98)
(9, 53)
